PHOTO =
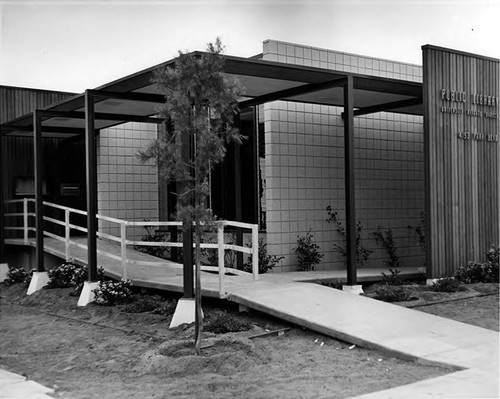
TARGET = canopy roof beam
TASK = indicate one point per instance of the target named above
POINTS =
(292, 92)
(130, 96)
(102, 116)
(388, 106)
(46, 129)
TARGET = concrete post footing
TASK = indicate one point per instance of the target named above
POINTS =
(87, 294)
(184, 312)
(4, 269)
(38, 281)
(353, 289)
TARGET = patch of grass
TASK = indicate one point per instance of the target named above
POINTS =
(392, 293)
(142, 304)
(150, 303)
(221, 322)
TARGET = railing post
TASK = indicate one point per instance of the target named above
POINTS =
(25, 220)
(220, 253)
(255, 252)
(123, 236)
(66, 232)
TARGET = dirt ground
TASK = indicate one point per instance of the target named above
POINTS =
(99, 351)
(481, 310)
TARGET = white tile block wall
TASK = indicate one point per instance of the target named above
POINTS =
(305, 165)
(127, 188)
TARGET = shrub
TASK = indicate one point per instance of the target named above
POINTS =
(447, 284)
(71, 275)
(493, 254)
(166, 309)
(113, 292)
(18, 275)
(479, 272)
(391, 293)
(362, 253)
(420, 231)
(211, 256)
(394, 278)
(152, 236)
(266, 261)
(307, 252)
(221, 322)
(386, 238)
(66, 275)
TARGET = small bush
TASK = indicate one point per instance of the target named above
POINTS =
(66, 275)
(394, 278)
(481, 272)
(211, 256)
(151, 236)
(307, 252)
(166, 309)
(362, 253)
(71, 275)
(266, 261)
(111, 293)
(478, 272)
(386, 239)
(447, 284)
(17, 275)
(493, 254)
(221, 322)
(391, 293)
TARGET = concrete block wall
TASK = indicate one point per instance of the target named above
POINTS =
(305, 173)
(127, 189)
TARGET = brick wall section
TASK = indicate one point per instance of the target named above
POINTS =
(127, 189)
(304, 165)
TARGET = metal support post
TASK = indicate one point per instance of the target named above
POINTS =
(91, 168)
(350, 203)
(37, 132)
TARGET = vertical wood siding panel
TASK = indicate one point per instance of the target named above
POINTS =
(462, 191)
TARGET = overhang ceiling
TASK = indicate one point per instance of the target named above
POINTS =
(264, 81)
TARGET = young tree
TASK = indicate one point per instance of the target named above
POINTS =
(200, 106)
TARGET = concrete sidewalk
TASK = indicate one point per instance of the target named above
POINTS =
(404, 332)
(14, 386)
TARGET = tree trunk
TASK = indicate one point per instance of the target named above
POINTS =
(198, 320)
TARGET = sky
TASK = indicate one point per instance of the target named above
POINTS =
(73, 45)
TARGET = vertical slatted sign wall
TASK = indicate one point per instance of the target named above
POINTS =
(462, 150)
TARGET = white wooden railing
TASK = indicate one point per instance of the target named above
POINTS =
(220, 245)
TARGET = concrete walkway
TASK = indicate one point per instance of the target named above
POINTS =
(404, 332)
(14, 386)
(355, 319)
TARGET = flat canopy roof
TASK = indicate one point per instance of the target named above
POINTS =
(135, 98)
